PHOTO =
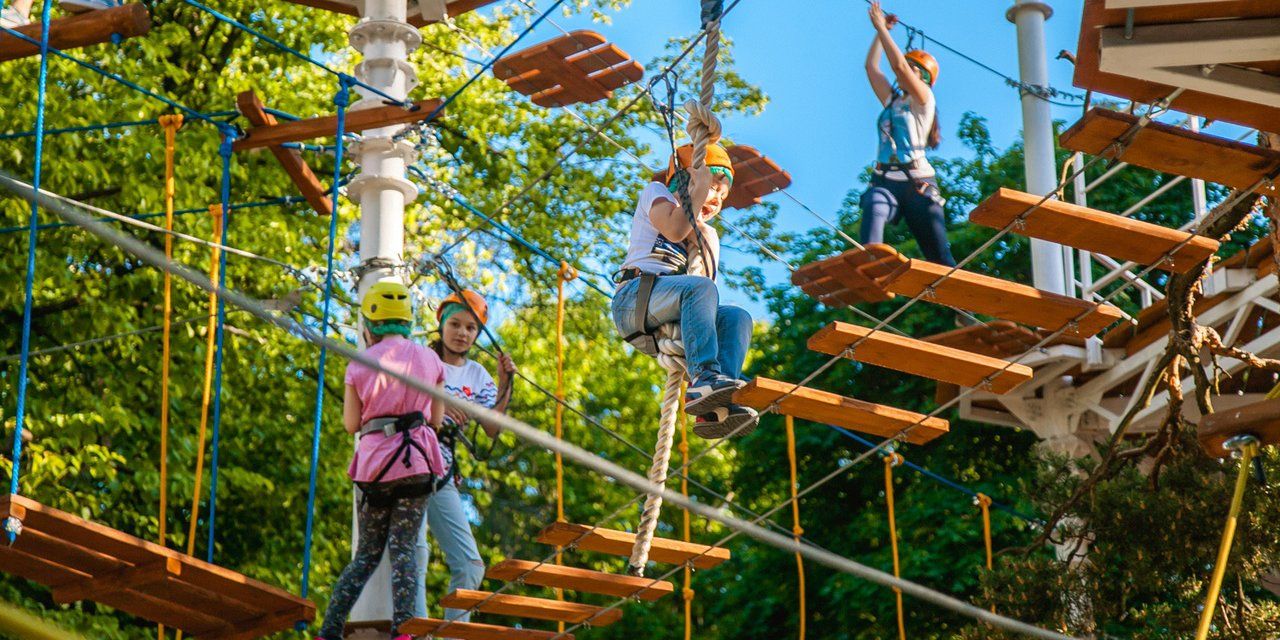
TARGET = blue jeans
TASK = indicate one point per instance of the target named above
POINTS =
(715, 336)
(447, 520)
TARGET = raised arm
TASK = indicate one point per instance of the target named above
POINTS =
(902, 71)
(879, 82)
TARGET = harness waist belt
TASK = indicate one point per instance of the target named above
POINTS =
(391, 425)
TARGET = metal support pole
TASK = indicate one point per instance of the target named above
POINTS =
(1047, 258)
(384, 38)
(1198, 199)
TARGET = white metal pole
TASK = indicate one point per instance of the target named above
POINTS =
(1198, 199)
(384, 38)
(1047, 258)
(1082, 199)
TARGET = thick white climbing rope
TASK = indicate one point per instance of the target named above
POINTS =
(671, 357)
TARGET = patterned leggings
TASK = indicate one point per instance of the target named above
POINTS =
(394, 527)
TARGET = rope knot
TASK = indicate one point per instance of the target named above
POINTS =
(684, 449)
(797, 530)
(894, 459)
(567, 271)
(688, 595)
(703, 126)
(983, 500)
(171, 121)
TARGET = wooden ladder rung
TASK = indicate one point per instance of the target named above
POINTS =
(584, 580)
(82, 30)
(920, 358)
(1096, 231)
(619, 543)
(473, 631)
(831, 408)
(323, 126)
(756, 176)
(1171, 149)
(504, 604)
(1260, 419)
(578, 67)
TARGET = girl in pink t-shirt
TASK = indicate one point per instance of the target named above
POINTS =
(397, 459)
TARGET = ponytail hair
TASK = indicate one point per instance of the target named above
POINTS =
(934, 139)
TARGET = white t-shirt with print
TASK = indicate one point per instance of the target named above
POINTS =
(650, 252)
(471, 382)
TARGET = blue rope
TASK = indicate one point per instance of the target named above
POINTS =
(192, 113)
(181, 212)
(293, 52)
(943, 480)
(103, 127)
(341, 99)
(224, 150)
(489, 65)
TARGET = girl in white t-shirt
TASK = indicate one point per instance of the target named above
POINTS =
(461, 319)
(903, 185)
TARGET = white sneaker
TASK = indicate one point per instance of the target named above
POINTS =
(81, 6)
(10, 18)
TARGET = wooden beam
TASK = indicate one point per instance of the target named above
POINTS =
(503, 604)
(256, 113)
(920, 358)
(93, 27)
(127, 578)
(324, 126)
(474, 631)
(620, 543)
(1096, 231)
(584, 580)
(1190, 43)
(1260, 419)
(265, 625)
(831, 408)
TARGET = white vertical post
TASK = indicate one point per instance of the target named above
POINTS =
(1198, 199)
(384, 38)
(1078, 190)
(1047, 258)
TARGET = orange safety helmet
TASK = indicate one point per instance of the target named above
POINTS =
(717, 156)
(473, 302)
(924, 61)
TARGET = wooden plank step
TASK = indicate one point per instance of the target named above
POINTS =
(997, 339)
(423, 627)
(1171, 149)
(89, 560)
(584, 580)
(578, 67)
(1260, 419)
(619, 543)
(357, 120)
(93, 27)
(1093, 230)
(504, 604)
(756, 176)
(308, 184)
(846, 278)
(453, 8)
(831, 408)
(920, 358)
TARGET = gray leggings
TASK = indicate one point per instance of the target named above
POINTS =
(394, 527)
(887, 201)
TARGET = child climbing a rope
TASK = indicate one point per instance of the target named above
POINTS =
(461, 318)
(18, 12)
(903, 183)
(397, 459)
(669, 276)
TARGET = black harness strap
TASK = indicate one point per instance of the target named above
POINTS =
(379, 496)
(642, 338)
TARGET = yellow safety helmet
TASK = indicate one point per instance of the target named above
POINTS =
(473, 302)
(387, 300)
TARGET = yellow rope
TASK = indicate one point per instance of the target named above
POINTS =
(24, 626)
(684, 489)
(170, 124)
(890, 461)
(1273, 393)
(985, 503)
(1247, 452)
(796, 531)
(567, 273)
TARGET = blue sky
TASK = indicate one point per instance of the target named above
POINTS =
(819, 121)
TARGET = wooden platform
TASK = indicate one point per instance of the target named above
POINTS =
(423, 627)
(1097, 18)
(308, 184)
(1097, 231)
(1261, 419)
(579, 67)
(920, 358)
(326, 126)
(94, 27)
(849, 273)
(996, 339)
(1172, 149)
(537, 608)
(830, 408)
(619, 543)
(755, 176)
(81, 560)
(584, 580)
(454, 8)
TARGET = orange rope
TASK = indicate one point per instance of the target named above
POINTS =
(795, 517)
(211, 329)
(170, 124)
(985, 503)
(684, 489)
(890, 461)
(567, 273)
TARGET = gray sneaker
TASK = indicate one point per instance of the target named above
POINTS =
(708, 393)
(732, 420)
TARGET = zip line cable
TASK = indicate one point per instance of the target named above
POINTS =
(533, 435)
